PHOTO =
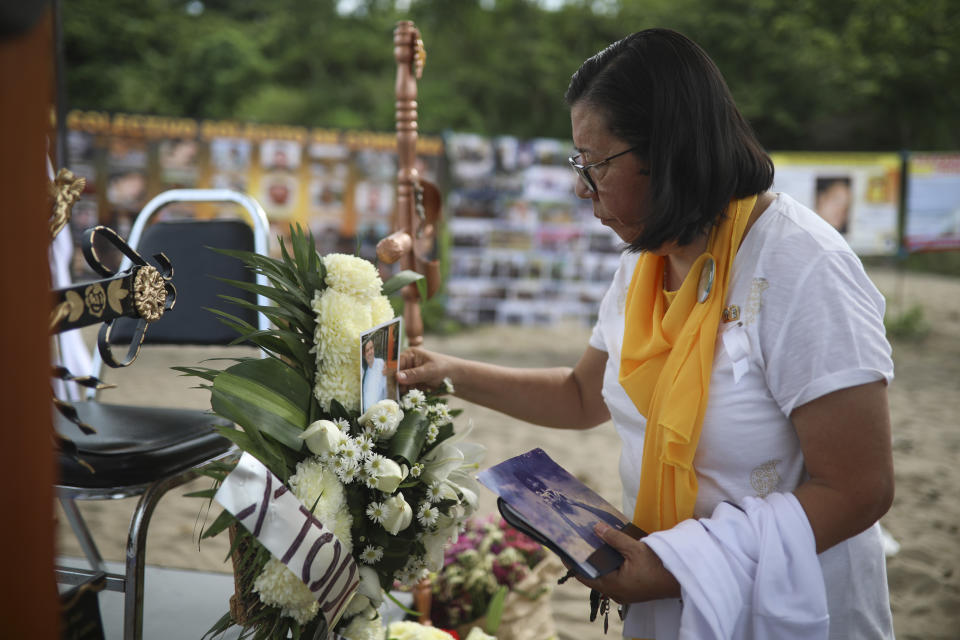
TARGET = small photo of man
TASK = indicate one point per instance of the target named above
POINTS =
(834, 199)
(379, 352)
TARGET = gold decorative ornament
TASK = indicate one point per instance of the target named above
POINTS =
(58, 315)
(419, 57)
(149, 293)
(76, 305)
(65, 190)
(731, 313)
(95, 298)
(115, 295)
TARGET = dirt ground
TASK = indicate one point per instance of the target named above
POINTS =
(924, 575)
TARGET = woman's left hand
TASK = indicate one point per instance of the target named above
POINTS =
(641, 577)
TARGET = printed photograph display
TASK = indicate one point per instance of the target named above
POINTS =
(857, 193)
(933, 202)
(379, 353)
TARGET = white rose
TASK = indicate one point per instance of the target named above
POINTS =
(390, 476)
(399, 514)
(370, 586)
(383, 417)
(322, 437)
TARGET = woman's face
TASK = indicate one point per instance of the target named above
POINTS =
(368, 352)
(621, 196)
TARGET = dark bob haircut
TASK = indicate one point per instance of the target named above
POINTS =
(660, 92)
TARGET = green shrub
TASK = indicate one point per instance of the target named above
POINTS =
(907, 325)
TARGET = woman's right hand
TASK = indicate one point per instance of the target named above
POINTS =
(419, 368)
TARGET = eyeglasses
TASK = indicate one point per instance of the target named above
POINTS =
(583, 170)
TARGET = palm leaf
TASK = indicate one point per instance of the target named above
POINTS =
(285, 343)
(280, 296)
(289, 262)
(407, 442)
(200, 372)
(205, 493)
(219, 525)
(258, 408)
(278, 377)
(239, 325)
(257, 422)
(276, 314)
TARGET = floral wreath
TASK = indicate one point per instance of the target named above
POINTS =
(393, 484)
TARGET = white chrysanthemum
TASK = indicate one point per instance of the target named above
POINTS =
(413, 399)
(432, 432)
(352, 275)
(337, 384)
(313, 483)
(381, 310)
(408, 630)
(364, 627)
(377, 511)
(427, 514)
(280, 587)
(371, 554)
(341, 319)
(416, 470)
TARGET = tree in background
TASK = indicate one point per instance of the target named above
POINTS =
(810, 74)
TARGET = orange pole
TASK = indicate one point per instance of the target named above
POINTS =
(404, 42)
(29, 606)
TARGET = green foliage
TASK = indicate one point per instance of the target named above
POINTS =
(907, 325)
(810, 74)
(943, 262)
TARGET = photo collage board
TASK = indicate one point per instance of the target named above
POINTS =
(339, 184)
(524, 248)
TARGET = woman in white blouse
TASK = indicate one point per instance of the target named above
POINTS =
(744, 318)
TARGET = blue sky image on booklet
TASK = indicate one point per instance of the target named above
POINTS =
(556, 509)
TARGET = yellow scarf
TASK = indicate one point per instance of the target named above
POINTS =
(665, 368)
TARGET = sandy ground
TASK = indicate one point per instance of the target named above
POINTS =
(924, 402)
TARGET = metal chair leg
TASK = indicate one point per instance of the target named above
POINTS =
(80, 530)
(136, 555)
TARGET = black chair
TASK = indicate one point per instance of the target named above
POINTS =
(147, 451)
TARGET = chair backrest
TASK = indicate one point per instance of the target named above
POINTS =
(196, 267)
